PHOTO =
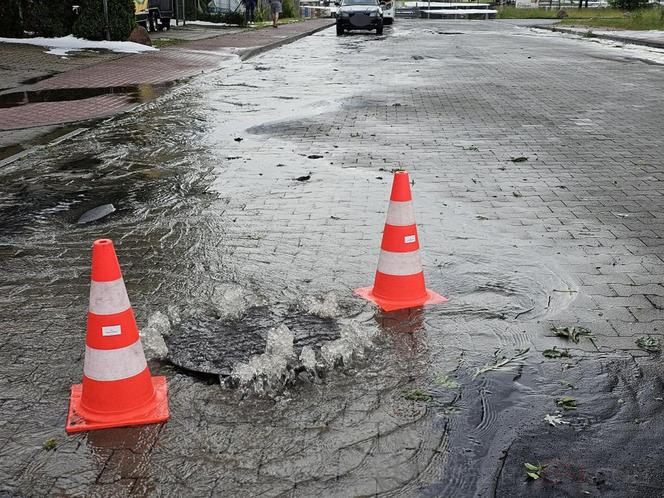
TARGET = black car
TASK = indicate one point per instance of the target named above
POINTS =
(359, 14)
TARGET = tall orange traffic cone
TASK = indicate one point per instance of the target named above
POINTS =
(117, 388)
(399, 281)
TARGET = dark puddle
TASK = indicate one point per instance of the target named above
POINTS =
(205, 343)
(496, 422)
(136, 93)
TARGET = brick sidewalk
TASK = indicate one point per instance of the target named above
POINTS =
(181, 61)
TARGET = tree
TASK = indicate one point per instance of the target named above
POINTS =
(11, 20)
(90, 22)
(628, 4)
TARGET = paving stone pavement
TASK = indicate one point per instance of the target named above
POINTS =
(539, 203)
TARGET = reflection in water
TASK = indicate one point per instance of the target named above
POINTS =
(123, 456)
(407, 321)
(135, 93)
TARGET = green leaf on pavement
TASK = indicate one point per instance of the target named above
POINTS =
(446, 381)
(534, 471)
(50, 444)
(501, 362)
(556, 353)
(650, 344)
(571, 333)
(419, 395)
(566, 402)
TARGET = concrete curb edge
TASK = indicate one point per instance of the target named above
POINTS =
(252, 52)
(603, 36)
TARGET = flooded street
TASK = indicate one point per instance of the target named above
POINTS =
(248, 203)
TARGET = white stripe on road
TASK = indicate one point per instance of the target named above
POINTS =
(399, 263)
(114, 364)
(108, 298)
(400, 214)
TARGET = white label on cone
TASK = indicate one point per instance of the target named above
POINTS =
(409, 239)
(111, 330)
(114, 364)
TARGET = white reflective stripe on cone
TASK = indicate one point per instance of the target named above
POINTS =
(108, 298)
(114, 364)
(399, 263)
(400, 214)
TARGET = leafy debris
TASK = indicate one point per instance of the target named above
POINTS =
(566, 403)
(518, 159)
(446, 381)
(650, 344)
(571, 333)
(303, 178)
(419, 395)
(568, 384)
(556, 353)
(501, 362)
(534, 471)
(50, 444)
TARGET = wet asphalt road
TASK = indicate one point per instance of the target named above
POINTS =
(212, 226)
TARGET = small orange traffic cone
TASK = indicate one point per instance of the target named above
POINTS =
(399, 281)
(117, 388)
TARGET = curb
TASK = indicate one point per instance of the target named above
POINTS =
(56, 141)
(603, 36)
(252, 52)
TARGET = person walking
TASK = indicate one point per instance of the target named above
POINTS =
(249, 9)
(276, 10)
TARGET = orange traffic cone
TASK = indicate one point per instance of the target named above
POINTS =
(399, 281)
(117, 388)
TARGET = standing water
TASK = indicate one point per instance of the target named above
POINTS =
(247, 206)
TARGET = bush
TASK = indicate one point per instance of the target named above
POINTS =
(628, 4)
(11, 24)
(224, 17)
(288, 9)
(48, 18)
(195, 10)
(90, 22)
(263, 12)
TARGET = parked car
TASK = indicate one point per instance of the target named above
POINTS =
(359, 14)
(388, 11)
